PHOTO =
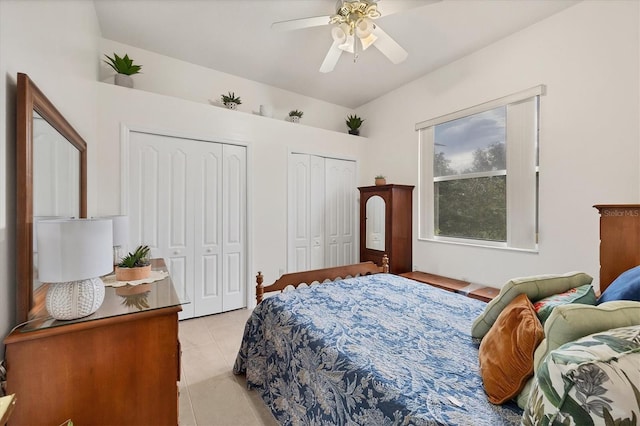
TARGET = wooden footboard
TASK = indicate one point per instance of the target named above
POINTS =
(294, 279)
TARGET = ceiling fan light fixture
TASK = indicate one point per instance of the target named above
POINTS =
(364, 31)
(348, 45)
(352, 21)
(352, 11)
(368, 41)
(339, 34)
(343, 38)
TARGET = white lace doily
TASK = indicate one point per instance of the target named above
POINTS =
(110, 280)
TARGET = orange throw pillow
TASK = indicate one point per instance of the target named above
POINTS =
(506, 352)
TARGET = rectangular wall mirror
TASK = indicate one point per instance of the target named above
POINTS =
(51, 180)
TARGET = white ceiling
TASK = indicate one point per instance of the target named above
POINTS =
(234, 36)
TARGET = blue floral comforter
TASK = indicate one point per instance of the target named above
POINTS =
(374, 350)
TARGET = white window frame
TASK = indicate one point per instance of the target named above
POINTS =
(522, 170)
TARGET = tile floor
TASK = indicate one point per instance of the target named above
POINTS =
(210, 394)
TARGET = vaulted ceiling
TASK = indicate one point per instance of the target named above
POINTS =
(235, 37)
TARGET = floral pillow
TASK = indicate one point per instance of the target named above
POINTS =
(583, 294)
(593, 380)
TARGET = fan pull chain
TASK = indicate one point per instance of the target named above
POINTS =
(355, 49)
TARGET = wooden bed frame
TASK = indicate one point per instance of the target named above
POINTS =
(294, 279)
(619, 251)
(619, 240)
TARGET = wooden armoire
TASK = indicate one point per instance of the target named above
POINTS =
(386, 225)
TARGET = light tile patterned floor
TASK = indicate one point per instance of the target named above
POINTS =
(210, 394)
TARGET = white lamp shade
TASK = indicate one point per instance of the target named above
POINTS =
(120, 229)
(37, 219)
(75, 249)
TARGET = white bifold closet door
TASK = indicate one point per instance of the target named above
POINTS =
(321, 212)
(187, 201)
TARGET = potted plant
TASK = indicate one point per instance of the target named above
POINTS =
(134, 266)
(353, 123)
(124, 68)
(231, 101)
(380, 180)
(295, 116)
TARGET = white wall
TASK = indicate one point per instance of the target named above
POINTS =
(588, 57)
(56, 44)
(173, 77)
(269, 141)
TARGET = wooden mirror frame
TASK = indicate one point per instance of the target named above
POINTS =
(30, 99)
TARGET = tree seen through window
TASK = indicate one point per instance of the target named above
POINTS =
(470, 192)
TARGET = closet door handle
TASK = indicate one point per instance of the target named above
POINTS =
(176, 252)
(209, 250)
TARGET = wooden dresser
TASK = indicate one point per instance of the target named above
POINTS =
(398, 236)
(118, 366)
(619, 240)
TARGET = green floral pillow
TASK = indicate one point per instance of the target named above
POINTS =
(583, 294)
(593, 380)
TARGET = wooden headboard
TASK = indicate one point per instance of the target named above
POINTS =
(294, 279)
(619, 240)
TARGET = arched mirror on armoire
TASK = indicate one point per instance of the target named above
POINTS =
(386, 225)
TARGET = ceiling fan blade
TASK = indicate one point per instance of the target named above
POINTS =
(331, 59)
(388, 46)
(297, 24)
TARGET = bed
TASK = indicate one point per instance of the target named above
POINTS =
(381, 349)
(368, 350)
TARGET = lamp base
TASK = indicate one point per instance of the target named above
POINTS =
(75, 299)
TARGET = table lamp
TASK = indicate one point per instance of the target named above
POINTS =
(120, 236)
(72, 255)
(36, 219)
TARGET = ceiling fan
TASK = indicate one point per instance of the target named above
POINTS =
(352, 22)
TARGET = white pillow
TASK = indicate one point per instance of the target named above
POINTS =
(536, 288)
(573, 321)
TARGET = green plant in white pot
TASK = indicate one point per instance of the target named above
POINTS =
(353, 123)
(124, 67)
(231, 101)
(295, 116)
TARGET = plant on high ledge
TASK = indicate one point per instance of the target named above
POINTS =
(295, 115)
(123, 65)
(124, 68)
(353, 123)
(380, 180)
(134, 266)
(231, 101)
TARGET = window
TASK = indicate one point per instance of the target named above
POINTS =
(479, 174)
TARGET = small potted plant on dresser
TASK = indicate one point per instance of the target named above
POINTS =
(231, 101)
(134, 266)
(380, 180)
(353, 123)
(295, 116)
(124, 68)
